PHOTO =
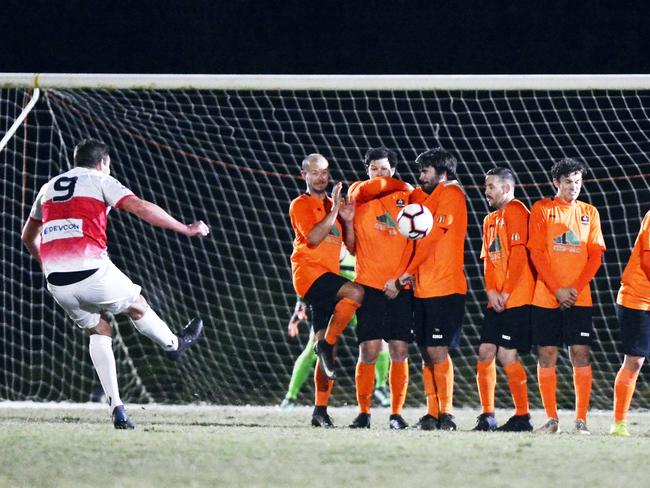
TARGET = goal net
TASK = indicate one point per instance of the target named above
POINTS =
(227, 150)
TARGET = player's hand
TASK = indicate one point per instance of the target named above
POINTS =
(336, 194)
(292, 328)
(299, 315)
(198, 228)
(566, 297)
(390, 289)
(346, 211)
(495, 300)
(406, 280)
(504, 298)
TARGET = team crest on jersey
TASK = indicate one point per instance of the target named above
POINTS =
(569, 241)
(400, 203)
(385, 223)
(584, 220)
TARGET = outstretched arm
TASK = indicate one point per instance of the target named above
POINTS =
(31, 237)
(153, 214)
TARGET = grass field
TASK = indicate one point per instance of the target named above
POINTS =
(75, 445)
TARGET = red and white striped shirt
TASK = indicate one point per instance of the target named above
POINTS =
(73, 208)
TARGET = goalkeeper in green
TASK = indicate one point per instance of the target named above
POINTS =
(305, 361)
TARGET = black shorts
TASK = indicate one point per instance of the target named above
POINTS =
(510, 328)
(555, 327)
(635, 331)
(321, 296)
(438, 320)
(381, 318)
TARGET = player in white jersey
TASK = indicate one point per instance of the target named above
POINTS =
(66, 233)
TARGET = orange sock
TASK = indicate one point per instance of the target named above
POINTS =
(365, 381)
(342, 315)
(518, 384)
(547, 378)
(433, 405)
(443, 375)
(486, 380)
(623, 391)
(582, 378)
(399, 383)
(322, 386)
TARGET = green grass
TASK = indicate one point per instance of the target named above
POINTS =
(75, 445)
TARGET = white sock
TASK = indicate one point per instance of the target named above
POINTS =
(154, 328)
(101, 354)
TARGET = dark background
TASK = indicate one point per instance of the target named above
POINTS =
(328, 37)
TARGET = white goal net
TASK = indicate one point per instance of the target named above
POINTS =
(229, 153)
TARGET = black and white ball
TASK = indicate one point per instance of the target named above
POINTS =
(414, 221)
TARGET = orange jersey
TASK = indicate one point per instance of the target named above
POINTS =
(379, 245)
(564, 233)
(502, 231)
(441, 273)
(308, 264)
(635, 286)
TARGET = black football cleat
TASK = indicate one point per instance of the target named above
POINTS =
(361, 422)
(320, 418)
(517, 423)
(120, 419)
(446, 422)
(186, 339)
(486, 423)
(325, 353)
(428, 422)
(397, 422)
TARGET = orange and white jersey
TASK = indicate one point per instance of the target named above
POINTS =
(504, 229)
(442, 272)
(309, 263)
(379, 245)
(565, 233)
(73, 209)
(635, 286)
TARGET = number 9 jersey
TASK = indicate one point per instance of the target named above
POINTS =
(73, 208)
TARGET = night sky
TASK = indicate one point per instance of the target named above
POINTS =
(343, 37)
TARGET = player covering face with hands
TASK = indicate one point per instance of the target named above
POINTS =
(66, 234)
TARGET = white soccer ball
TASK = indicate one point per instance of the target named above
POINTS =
(414, 221)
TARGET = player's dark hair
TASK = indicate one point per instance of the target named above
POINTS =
(438, 159)
(504, 174)
(567, 166)
(375, 153)
(89, 152)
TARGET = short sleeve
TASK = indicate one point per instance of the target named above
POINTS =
(114, 192)
(596, 238)
(302, 217)
(537, 227)
(451, 200)
(516, 220)
(37, 208)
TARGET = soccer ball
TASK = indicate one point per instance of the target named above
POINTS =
(414, 221)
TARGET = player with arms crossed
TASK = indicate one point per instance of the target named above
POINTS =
(633, 302)
(440, 283)
(379, 251)
(66, 234)
(509, 285)
(319, 224)
(566, 246)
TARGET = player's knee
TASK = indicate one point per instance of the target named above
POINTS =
(353, 292)
(547, 356)
(369, 351)
(102, 328)
(506, 357)
(138, 308)
(580, 356)
(398, 351)
(633, 363)
(487, 352)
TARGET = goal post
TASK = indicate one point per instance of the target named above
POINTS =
(227, 149)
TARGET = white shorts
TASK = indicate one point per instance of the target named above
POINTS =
(108, 289)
